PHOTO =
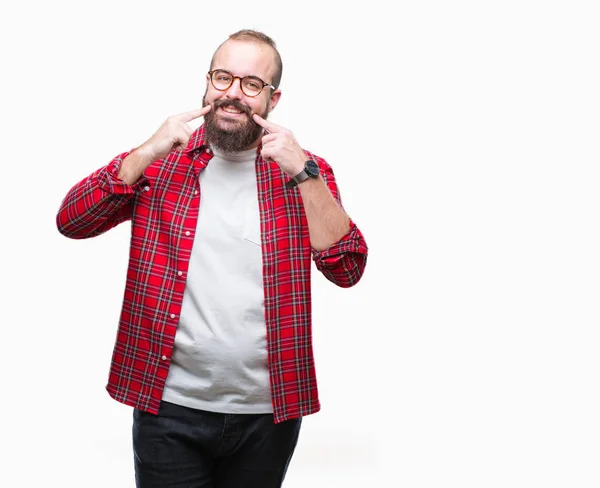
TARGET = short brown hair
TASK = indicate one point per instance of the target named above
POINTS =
(259, 37)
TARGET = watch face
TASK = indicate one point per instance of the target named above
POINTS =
(312, 168)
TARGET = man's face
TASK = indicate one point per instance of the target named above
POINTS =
(229, 125)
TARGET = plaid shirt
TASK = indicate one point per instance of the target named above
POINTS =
(163, 208)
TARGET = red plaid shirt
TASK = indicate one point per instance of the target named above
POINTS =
(163, 208)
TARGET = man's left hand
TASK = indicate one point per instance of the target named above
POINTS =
(280, 145)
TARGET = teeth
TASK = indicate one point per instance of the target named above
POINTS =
(232, 110)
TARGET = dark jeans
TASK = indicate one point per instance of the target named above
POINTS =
(187, 448)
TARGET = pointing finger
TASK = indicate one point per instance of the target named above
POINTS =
(265, 124)
(193, 114)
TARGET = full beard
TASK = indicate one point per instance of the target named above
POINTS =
(238, 135)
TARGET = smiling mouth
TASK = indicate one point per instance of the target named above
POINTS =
(229, 110)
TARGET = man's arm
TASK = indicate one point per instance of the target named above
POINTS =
(173, 134)
(105, 198)
(344, 261)
(97, 203)
(327, 221)
(339, 248)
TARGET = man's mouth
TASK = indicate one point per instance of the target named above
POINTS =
(231, 110)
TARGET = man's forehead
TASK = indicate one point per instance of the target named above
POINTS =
(245, 53)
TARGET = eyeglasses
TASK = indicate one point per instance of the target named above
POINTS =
(252, 86)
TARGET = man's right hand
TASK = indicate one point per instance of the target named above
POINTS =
(173, 134)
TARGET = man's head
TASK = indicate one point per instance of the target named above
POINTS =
(244, 77)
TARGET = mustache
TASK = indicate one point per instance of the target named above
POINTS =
(233, 103)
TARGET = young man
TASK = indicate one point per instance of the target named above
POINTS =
(214, 347)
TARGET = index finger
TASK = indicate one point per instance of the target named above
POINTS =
(193, 114)
(265, 124)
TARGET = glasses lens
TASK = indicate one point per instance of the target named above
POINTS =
(252, 86)
(221, 79)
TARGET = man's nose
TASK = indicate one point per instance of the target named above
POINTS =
(235, 90)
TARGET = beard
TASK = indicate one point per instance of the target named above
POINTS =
(238, 135)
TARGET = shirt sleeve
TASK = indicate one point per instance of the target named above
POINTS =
(342, 263)
(99, 202)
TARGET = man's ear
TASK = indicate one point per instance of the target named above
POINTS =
(274, 100)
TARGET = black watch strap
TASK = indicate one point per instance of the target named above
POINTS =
(311, 170)
(296, 180)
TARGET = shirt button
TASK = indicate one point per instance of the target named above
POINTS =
(196, 192)
(146, 188)
(187, 232)
(179, 273)
(172, 315)
(164, 358)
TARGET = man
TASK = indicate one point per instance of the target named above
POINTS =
(214, 347)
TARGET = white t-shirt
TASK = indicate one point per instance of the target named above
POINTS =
(219, 360)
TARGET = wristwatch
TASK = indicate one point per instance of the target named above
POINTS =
(311, 170)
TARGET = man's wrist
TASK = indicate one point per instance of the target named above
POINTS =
(298, 166)
(133, 166)
(144, 155)
(310, 170)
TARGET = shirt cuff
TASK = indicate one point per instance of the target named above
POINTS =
(111, 183)
(352, 242)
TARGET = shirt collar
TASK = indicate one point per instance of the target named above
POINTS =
(197, 140)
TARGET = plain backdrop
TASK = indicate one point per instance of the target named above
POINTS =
(464, 138)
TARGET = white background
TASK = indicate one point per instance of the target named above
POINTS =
(464, 136)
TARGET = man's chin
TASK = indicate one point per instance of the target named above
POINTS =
(227, 124)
